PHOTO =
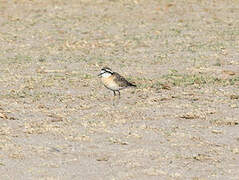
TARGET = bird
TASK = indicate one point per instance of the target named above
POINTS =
(114, 81)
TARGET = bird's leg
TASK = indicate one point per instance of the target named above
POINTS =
(118, 97)
(114, 98)
(119, 94)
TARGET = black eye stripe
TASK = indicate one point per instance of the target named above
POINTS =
(109, 71)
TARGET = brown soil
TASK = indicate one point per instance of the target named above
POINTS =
(57, 120)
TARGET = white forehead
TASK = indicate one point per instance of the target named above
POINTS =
(108, 69)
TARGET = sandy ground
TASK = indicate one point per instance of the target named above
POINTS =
(57, 120)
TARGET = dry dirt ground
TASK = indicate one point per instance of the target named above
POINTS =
(57, 120)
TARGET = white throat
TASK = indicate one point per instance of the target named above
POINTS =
(106, 75)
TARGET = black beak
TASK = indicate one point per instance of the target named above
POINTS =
(100, 74)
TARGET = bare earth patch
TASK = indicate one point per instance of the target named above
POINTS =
(57, 120)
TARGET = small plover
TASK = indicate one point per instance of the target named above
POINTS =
(114, 81)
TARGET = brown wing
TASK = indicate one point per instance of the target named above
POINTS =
(121, 81)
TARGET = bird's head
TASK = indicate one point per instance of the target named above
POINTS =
(105, 72)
